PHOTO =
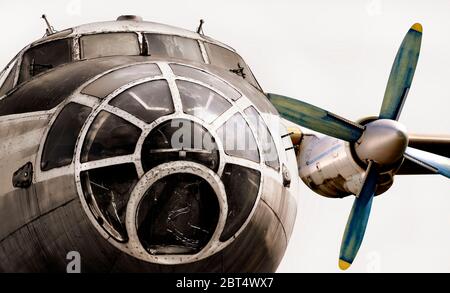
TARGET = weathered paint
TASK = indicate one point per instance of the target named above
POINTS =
(47, 220)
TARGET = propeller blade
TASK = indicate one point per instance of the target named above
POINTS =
(435, 163)
(402, 73)
(359, 216)
(316, 118)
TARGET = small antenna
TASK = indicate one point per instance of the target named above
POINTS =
(50, 30)
(200, 27)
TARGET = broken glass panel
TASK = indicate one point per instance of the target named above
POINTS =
(178, 215)
(107, 191)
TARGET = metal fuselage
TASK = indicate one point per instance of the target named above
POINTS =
(41, 223)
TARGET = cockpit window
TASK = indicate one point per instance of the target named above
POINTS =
(173, 46)
(7, 81)
(231, 61)
(43, 57)
(265, 138)
(238, 139)
(109, 44)
(201, 102)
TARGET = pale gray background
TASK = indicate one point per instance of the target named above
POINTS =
(334, 54)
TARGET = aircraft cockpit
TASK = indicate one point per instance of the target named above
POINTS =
(69, 46)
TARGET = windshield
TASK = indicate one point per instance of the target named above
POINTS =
(231, 61)
(43, 57)
(112, 44)
(7, 79)
(173, 46)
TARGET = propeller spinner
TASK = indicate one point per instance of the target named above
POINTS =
(380, 144)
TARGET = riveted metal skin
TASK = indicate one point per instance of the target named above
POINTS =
(42, 223)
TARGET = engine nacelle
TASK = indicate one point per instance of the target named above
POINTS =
(329, 167)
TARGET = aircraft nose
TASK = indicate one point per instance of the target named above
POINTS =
(159, 169)
(135, 128)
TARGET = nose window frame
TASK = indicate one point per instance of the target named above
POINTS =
(59, 147)
(105, 104)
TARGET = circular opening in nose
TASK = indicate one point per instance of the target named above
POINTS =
(178, 214)
(180, 139)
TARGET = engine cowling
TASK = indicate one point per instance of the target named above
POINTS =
(331, 168)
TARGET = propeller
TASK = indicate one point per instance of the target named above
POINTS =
(316, 118)
(382, 143)
(359, 216)
(437, 164)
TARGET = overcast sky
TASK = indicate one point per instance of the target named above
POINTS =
(334, 54)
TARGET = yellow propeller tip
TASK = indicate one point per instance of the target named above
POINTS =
(417, 27)
(343, 265)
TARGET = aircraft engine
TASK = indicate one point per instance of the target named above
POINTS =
(330, 167)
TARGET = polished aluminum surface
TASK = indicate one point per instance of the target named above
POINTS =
(384, 141)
